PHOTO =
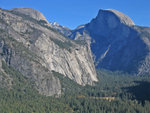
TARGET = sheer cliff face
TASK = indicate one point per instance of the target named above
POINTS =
(116, 42)
(33, 48)
(108, 21)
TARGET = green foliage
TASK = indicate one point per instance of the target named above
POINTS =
(20, 49)
(25, 17)
(126, 93)
(129, 95)
(80, 42)
(67, 85)
(64, 45)
(40, 22)
(43, 22)
(23, 98)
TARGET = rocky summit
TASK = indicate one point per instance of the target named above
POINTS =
(30, 12)
(30, 46)
(116, 42)
(41, 52)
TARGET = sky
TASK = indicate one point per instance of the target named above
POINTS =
(72, 13)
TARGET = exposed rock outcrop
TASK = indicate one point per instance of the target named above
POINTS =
(30, 12)
(116, 42)
(36, 49)
(62, 29)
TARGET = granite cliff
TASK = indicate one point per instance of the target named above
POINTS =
(30, 45)
(116, 42)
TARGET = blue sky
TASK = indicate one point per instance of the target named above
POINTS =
(72, 13)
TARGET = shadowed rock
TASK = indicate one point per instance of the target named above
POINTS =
(116, 42)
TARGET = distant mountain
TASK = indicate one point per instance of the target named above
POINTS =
(31, 48)
(116, 42)
(62, 29)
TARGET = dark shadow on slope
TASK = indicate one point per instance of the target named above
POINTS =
(140, 92)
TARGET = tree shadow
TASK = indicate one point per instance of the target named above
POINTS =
(140, 92)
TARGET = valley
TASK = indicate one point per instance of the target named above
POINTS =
(115, 93)
(99, 67)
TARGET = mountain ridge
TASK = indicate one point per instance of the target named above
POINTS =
(113, 38)
(35, 49)
(30, 12)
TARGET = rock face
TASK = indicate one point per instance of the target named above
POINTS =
(116, 42)
(30, 12)
(36, 49)
(62, 29)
